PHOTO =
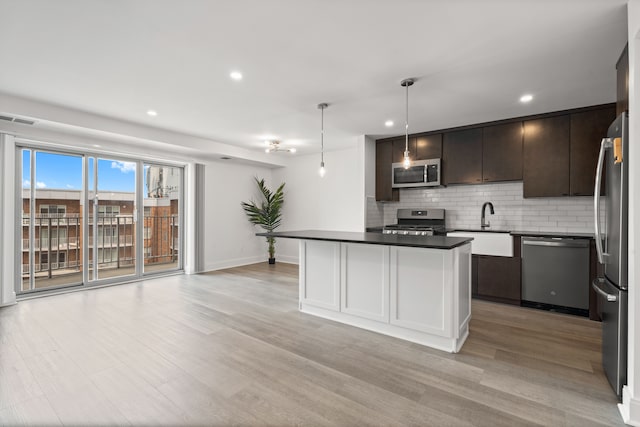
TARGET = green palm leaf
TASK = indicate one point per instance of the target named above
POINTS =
(268, 213)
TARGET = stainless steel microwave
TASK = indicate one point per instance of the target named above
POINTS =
(421, 173)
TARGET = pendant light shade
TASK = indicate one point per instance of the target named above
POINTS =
(407, 160)
(322, 106)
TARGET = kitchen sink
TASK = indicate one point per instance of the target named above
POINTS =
(492, 243)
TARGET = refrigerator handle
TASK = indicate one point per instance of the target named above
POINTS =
(609, 297)
(604, 145)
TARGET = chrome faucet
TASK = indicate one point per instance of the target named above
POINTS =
(483, 223)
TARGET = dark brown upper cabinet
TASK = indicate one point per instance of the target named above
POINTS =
(428, 147)
(587, 130)
(502, 152)
(546, 157)
(384, 158)
(461, 157)
(622, 85)
(553, 153)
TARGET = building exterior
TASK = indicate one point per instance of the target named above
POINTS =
(56, 231)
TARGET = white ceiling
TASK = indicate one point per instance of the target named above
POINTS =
(472, 61)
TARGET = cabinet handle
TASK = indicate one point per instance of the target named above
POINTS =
(565, 194)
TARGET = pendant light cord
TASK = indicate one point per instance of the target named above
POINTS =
(406, 124)
(322, 135)
(322, 107)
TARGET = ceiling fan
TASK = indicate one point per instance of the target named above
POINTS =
(273, 146)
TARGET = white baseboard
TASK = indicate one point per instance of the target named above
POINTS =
(289, 259)
(629, 408)
(236, 262)
(8, 300)
(448, 344)
(239, 262)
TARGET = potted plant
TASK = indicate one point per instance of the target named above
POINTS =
(267, 214)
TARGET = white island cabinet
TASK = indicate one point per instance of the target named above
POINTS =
(413, 288)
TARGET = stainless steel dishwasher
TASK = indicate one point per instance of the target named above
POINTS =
(555, 274)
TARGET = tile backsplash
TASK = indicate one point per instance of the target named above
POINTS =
(513, 212)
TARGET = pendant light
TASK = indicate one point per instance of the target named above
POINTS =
(322, 107)
(407, 161)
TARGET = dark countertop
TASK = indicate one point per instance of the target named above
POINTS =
(433, 242)
(566, 234)
(375, 229)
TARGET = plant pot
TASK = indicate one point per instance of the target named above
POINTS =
(272, 260)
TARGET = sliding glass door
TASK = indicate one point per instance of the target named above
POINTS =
(79, 217)
(51, 220)
(111, 218)
(162, 206)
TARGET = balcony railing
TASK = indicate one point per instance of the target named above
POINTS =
(175, 244)
(51, 221)
(57, 244)
(40, 267)
(112, 241)
(73, 243)
(44, 220)
(112, 220)
(161, 229)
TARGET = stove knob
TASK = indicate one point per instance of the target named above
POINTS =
(424, 233)
(405, 233)
(394, 232)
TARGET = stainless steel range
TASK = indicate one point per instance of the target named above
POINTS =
(417, 222)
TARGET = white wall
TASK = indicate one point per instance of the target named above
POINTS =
(630, 408)
(335, 202)
(229, 239)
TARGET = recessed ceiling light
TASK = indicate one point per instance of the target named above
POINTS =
(97, 145)
(292, 150)
(388, 123)
(236, 75)
(152, 113)
(526, 98)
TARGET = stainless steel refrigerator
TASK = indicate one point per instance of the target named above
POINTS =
(611, 235)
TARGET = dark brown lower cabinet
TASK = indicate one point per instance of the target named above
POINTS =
(497, 278)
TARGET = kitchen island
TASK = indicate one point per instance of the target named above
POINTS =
(409, 287)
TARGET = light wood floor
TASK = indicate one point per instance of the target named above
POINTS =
(230, 347)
